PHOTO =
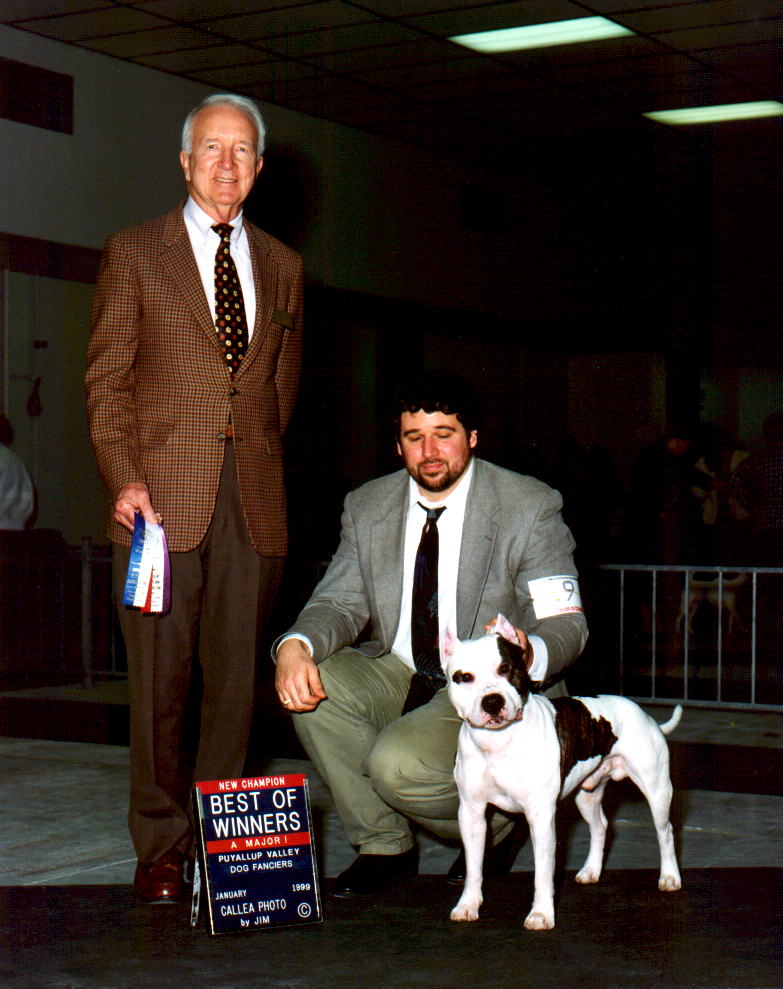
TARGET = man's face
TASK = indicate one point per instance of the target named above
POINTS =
(435, 449)
(222, 165)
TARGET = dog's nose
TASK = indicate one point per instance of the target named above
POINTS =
(492, 704)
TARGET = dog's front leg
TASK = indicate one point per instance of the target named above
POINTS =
(542, 835)
(473, 831)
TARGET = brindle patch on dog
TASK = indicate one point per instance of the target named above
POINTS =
(517, 676)
(581, 736)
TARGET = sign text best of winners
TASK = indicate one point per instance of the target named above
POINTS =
(256, 852)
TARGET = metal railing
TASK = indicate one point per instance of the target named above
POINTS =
(704, 636)
(707, 636)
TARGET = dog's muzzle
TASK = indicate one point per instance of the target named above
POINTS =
(495, 713)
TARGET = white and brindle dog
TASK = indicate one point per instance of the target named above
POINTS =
(521, 752)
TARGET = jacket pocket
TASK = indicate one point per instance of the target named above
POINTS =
(153, 433)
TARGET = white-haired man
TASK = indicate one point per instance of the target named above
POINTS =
(193, 366)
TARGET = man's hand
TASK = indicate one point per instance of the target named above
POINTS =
(297, 680)
(133, 499)
(523, 641)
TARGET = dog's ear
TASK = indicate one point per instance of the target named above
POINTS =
(447, 644)
(504, 627)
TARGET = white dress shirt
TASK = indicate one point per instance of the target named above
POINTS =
(205, 241)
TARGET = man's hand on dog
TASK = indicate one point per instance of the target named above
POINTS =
(521, 638)
(297, 680)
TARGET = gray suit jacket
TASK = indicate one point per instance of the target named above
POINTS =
(513, 533)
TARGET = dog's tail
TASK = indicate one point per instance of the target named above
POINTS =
(668, 726)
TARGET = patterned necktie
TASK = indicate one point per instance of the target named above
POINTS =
(424, 604)
(230, 320)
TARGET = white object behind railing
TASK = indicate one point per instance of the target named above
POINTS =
(732, 596)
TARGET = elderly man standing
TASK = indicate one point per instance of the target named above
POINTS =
(192, 370)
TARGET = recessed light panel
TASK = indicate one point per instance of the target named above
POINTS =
(542, 35)
(717, 114)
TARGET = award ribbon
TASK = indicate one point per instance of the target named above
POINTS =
(148, 583)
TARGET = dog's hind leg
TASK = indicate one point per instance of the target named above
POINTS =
(659, 797)
(590, 807)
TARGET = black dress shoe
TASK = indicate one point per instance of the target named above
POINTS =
(371, 874)
(498, 859)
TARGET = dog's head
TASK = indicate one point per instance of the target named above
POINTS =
(487, 678)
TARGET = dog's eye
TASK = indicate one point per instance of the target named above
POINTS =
(504, 669)
(460, 677)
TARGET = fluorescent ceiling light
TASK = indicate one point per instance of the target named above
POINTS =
(717, 114)
(542, 35)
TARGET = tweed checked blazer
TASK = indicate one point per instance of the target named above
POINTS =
(513, 533)
(159, 392)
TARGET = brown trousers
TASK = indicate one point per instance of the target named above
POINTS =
(221, 594)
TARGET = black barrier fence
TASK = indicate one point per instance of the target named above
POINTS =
(705, 636)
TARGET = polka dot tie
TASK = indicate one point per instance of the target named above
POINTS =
(230, 321)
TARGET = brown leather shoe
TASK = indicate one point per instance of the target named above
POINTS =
(160, 881)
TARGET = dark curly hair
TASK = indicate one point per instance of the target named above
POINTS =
(437, 391)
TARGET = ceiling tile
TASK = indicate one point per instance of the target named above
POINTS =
(400, 53)
(661, 63)
(191, 59)
(427, 73)
(93, 24)
(290, 20)
(19, 10)
(728, 34)
(197, 10)
(414, 8)
(699, 15)
(340, 39)
(276, 74)
(150, 42)
(550, 59)
(491, 17)
(611, 7)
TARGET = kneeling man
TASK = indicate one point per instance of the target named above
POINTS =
(448, 542)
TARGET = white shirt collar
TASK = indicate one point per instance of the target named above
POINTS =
(203, 223)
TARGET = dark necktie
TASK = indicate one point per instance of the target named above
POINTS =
(230, 320)
(424, 615)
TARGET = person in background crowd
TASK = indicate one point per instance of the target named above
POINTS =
(17, 492)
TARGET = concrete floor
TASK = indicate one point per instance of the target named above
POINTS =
(62, 818)
(62, 830)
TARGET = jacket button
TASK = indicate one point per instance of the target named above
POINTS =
(233, 391)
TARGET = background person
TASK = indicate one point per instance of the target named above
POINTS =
(17, 493)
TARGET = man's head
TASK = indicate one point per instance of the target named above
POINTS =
(436, 418)
(222, 147)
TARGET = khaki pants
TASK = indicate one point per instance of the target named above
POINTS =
(383, 770)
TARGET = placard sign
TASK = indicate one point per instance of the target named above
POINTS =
(256, 863)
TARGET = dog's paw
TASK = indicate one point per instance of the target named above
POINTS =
(586, 875)
(466, 911)
(537, 921)
(669, 884)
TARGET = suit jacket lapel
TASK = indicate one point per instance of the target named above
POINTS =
(265, 279)
(387, 551)
(479, 536)
(178, 260)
